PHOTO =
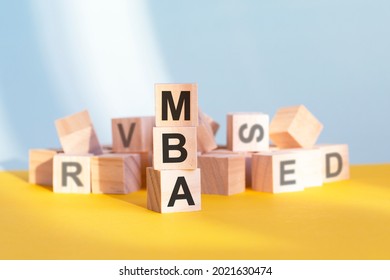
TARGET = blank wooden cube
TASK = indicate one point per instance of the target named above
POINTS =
(176, 104)
(248, 161)
(72, 173)
(335, 158)
(311, 166)
(173, 190)
(132, 134)
(276, 172)
(247, 132)
(174, 148)
(116, 173)
(77, 134)
(41, 166)
(205, 134)
(295, 127)
(222, 174)
(213, 124)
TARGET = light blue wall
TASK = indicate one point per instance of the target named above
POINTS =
(332, 56)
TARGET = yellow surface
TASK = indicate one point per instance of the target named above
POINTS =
(342, 220)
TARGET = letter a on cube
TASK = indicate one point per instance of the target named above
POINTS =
(176, 104)
(173, 190)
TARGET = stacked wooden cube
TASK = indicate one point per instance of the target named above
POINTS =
(173, 183)
(175, 156)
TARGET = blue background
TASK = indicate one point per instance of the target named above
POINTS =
(57, 58)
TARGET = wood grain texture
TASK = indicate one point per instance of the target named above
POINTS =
(132, 134)
(248, 161)
(222, 174)
(247, 131)
(116, 173)
(161, 187)
(176, 94)
(295, 127)
(72, 173)
(77, 134)
(41, 166)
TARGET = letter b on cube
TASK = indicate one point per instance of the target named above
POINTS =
(174, 148)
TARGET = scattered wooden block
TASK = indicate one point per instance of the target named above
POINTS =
(116, 173)
(174, 148)
(222, 174)
(213, 124)
(72, 173)
(311, 166)
(77, 134)
(335, 160)
(173, 190)
(132, 134)
(248, 161)
(295, 127)
(205, 134)
(276, 172)
(247, 132)
(41, 166)
(176, 104)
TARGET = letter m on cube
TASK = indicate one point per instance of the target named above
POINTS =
(176, 104)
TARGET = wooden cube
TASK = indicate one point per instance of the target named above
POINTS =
(276, 172)
(176, 104)
(213, 124)
(174, 148)
(295, 127)
(41, 166)
(222, 174)
(247, 132)
(248, 161)
(72, 173)
(116, 173)
(173, 190)
(77, 134)
(335, 158)
(205, 135)
(311, 166)
(132, 134)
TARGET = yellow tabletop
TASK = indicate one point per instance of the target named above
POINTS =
(342, 220)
